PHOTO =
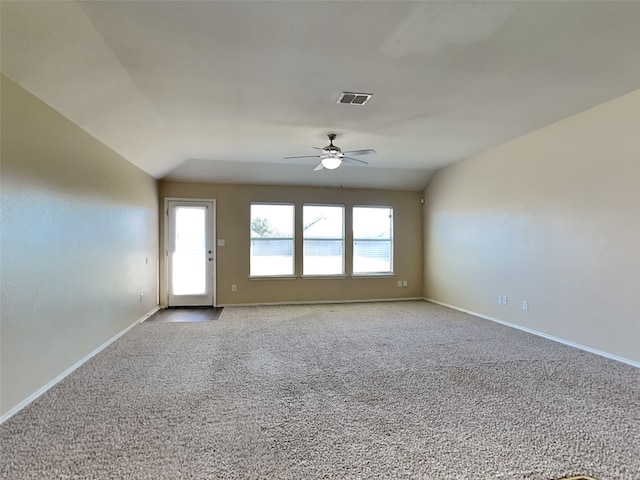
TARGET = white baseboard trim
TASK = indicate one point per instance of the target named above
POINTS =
(73, 367)
(320, 302)
(541, 334)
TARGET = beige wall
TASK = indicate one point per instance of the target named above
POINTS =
(552, 217)
(233, 205)
(78, 226)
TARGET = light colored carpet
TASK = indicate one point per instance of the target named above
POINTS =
(380, 390)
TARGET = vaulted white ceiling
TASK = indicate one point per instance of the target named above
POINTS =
(222, 91)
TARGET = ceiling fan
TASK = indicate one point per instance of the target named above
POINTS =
(332, 156)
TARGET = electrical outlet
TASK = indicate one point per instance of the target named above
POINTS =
(500, 299)
(234, 288)
(141, 295)
(399, 283)
(404, 283)
(525, 304)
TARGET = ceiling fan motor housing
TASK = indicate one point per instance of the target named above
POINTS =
(332, 149)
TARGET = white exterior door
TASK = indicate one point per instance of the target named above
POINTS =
(190, 252)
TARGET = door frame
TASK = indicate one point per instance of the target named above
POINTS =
(214, 242)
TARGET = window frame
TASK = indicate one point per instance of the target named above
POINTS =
(342, 274)
(390, 240)
(253, 276)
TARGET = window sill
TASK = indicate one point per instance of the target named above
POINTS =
(274, 277)
(323, 277)
(373, 275)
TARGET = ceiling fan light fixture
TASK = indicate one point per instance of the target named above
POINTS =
(331, 163)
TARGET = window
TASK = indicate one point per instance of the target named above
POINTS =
(323, 235)
(271, 240)
(372, 240)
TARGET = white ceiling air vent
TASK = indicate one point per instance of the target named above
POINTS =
(353, 98)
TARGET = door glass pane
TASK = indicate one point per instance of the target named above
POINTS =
(190, 255)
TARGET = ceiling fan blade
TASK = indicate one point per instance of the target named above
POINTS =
(319, 167)
(354, 161)
(303, 156)
(367, 151)
(318, 148)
